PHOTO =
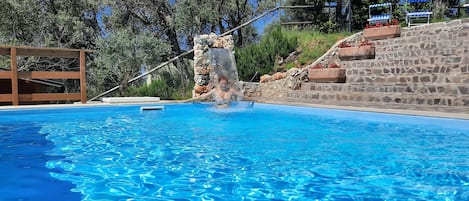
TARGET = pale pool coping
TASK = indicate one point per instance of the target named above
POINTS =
(143, 99)
(379, 110)
(349, 108)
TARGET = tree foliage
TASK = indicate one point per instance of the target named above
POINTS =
(325, 19)
(195, 17)
(123, 54)
(128, 36)
(59, 23)
(175, 24)
(306, 14)
(325, 22)
(48, 23)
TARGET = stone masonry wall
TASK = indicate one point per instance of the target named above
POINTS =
(426, 68)
(203, 68)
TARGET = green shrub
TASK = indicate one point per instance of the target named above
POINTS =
(313, 44)
(261, 57)
(161, 88)
(156, 88)
(280, 42)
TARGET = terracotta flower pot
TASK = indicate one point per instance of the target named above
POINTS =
(383, 32)
(326, 75)
(354, 53)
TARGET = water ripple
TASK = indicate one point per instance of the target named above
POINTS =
(257, 155)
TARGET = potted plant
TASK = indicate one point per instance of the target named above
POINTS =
(380, 31)
(365, 50)
(329, 73)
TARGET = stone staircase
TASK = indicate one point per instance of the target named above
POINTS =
(426, 68)
(385, 95)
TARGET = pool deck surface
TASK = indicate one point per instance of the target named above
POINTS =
(453, 115)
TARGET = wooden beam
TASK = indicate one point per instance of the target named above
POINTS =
(14, 77)
(42, 52)
(82, 77)
(47, 53)
(4, 51)
(15, 51)
(49, 75)
(5, 74)
(5, 97)
(49, 97)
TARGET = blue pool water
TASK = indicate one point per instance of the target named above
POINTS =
(197, 152)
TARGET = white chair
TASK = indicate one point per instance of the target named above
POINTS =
(416, 16)
(382, 17)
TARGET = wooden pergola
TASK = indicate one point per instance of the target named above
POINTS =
(14, 51)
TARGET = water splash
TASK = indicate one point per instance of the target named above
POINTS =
(234, 106)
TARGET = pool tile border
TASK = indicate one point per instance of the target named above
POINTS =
(350, 108)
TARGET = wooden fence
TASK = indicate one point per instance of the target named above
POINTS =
(14, 51)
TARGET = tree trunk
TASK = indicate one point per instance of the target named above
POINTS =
(165, 13)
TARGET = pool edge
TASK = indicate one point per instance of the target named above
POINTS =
(439, 114)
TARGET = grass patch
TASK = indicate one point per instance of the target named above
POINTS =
(273, 52)
(312, 45)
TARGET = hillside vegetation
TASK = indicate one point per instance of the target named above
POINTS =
(281, 49)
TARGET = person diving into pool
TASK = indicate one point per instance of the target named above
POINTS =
(222, 94)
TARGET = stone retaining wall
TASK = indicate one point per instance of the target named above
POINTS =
(426, 68)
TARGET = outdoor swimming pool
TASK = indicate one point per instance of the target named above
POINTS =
(197, 152)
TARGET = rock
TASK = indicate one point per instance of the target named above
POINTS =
(278, 76)
(292, 72)
(218, 43)
(198, 53)
(202, 70)
(280, 60)
(200, 89)
(265, 78)
(294, 78)
(201, 79)
(292, 57)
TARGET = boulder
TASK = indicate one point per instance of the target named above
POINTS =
(265, 78)
(278, 76)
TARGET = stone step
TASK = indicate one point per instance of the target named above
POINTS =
(409, 79)
(381, 105)
(364, 97)
(426, 53)
(362, 72)
(433, 27)
(429, 48)
(399, 69)
(416, 88)
(440, 44)
(421, 42)
(442, 64)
